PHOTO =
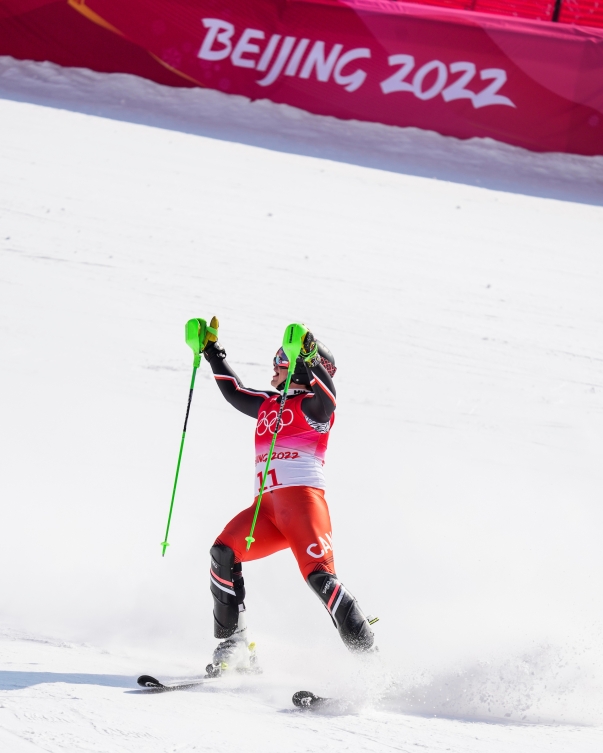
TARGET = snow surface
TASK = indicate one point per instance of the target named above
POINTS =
(464, 471)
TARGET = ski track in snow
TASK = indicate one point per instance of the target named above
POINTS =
(464, 474)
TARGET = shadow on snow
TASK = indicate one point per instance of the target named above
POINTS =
(16, 680)
(484, 163)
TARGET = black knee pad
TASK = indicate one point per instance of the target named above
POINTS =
(228, 589)
(352, 625)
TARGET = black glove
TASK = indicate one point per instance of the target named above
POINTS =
(214, 350)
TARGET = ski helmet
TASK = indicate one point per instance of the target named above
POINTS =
(300, 375)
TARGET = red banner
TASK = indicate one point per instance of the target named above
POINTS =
(533, 84)
(52, 30)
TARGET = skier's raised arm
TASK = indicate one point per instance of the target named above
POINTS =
(321, 406)
(246, 400)
(315, 367)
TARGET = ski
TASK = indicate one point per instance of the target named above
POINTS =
(153, 685)
(303, 699)
(212, 672)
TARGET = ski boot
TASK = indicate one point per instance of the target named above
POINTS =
(233, 654)
(351, 623)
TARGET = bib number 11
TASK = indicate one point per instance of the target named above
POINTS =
(271, 480)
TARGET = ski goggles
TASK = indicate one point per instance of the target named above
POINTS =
(280, 359)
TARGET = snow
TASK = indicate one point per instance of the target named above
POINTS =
(457, 283)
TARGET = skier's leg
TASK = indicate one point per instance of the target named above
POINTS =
(302, 514)
(228, 587)
(227, 554)
(228, 591)
(350, 621)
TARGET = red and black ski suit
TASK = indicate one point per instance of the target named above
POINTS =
(294, 512)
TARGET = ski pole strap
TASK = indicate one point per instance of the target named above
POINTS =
(164, 543)
(249, 539)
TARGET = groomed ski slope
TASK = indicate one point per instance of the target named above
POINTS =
(459, 286)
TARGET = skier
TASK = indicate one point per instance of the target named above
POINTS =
(294, 512)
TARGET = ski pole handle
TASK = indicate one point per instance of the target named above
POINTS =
(293, 341)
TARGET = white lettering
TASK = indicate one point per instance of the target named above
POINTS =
(316, 556)
(352, 81)
(316, 58)
(324, 545)
(296, 57)
(243, 46)
(396, 82)
(218, 31)
(288, 55)
(279, 63)
(457, 90)
(438, 85)
(268, 52)
(489, 96)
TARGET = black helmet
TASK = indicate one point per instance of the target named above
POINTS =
(327, 359)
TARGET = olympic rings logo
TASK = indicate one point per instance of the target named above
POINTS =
(267, 421)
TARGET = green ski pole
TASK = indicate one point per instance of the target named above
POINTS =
(292, 342)
(194, 334)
